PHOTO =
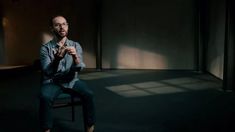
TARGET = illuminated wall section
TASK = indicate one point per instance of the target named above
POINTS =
(148, 34)
(216, 37)
(27, 26)
(1, 40)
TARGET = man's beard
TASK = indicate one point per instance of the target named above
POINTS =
(60, 35)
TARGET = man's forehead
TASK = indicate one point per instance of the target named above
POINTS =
(59, 19)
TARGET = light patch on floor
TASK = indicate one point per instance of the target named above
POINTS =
(148, 85)
(131, 72)
(96, 75)
(134, 93)
(177, 85)
(128, 91)
(202, 86)
(121, 88)
(104, 74)
(205, 77)
(184, 80)
(165, 90)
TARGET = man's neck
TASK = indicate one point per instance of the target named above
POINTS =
(61, 41)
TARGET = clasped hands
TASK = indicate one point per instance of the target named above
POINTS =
(63, 50)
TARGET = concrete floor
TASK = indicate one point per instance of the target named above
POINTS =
(127, 101)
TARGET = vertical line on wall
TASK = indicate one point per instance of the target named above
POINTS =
(2, 47)
(197, 39)
(99, 35)
(228, 73)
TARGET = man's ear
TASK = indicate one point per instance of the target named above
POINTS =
(51, 29)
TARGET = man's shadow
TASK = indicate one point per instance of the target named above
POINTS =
(28, 121)
(18, 120)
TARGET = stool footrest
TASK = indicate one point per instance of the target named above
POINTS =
(60, 105)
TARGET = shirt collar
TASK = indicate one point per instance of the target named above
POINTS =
(55, 44)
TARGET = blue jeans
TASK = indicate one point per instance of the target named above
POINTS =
(50, 91)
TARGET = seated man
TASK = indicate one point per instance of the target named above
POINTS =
(59, 58)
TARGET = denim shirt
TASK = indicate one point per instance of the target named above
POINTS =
(65, 66)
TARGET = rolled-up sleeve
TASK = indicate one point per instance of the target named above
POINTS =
(46, 63)
(80, 55)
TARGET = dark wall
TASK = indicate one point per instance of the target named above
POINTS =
(26, 27)
(148, 34)
(1, 37)
(136, 34)
(214, 35)
(229, 61)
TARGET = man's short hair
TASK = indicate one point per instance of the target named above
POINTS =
(54, 16)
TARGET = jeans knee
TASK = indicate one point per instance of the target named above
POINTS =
(90, 94)
(83, 89)
(46, 97)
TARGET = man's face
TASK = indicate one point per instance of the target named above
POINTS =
(60, 27)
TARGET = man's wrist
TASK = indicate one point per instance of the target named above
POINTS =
(76, 59)
(75, 56)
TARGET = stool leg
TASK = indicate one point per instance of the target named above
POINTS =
(84, 118)
(73, 111)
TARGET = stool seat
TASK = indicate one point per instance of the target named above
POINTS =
(67, 99)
